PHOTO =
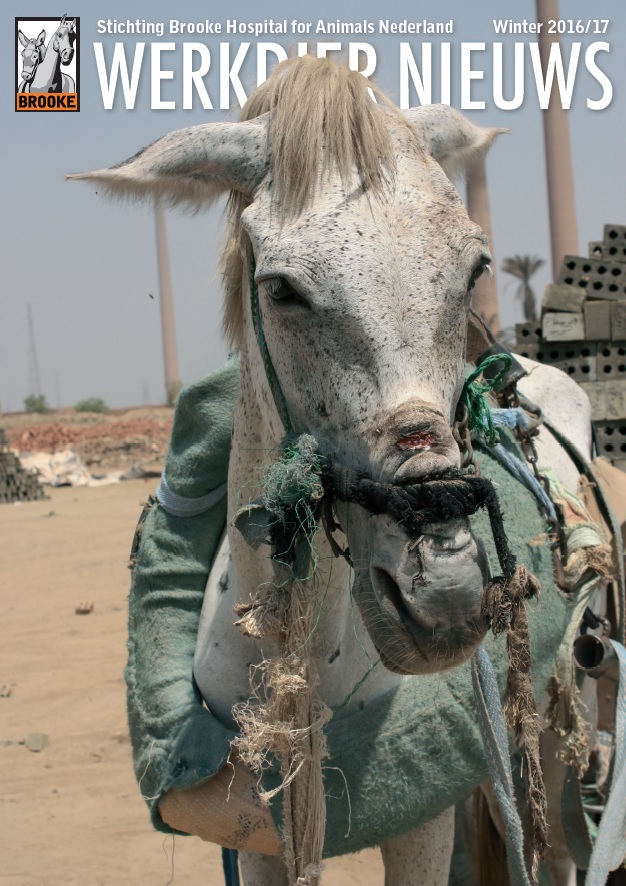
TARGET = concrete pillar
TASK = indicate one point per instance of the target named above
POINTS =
(562, 208)
(485, 296)
(170, 358)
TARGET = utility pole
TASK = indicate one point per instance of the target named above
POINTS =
(34, 381)
(485, 295)
(170, 358)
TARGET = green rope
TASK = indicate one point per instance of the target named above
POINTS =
(270, 372)
(356, 687)
(479, 416)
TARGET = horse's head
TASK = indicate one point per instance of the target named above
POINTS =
(364, 260)
(63, 40)
(32, 54)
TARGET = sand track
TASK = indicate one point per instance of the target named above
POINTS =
(71, 815)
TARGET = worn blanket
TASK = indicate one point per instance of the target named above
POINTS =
(396, 764)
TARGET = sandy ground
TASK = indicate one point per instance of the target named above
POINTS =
(71, 813)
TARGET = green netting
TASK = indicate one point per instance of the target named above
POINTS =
(479, 416)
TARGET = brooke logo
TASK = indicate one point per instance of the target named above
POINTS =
(47, 64)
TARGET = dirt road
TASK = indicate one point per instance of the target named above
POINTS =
(71, 813)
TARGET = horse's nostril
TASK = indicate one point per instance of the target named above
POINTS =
(392, 596)
(389, 590)
(417, 441)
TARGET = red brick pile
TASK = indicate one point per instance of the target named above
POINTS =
(108, 443)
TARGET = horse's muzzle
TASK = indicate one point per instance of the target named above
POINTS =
(423, 603)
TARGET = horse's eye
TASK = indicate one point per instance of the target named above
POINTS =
(478, 272)
(476, 275)
(281, 291)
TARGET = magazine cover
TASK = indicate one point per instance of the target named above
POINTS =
(109, 306)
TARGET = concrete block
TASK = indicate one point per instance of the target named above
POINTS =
(608, 399)
(578, 265)
(577, 359)
(611, 438)
(606, 289)
(611, 360)
(598, 277)
(618, 321)
(607, 251)
(561, 297)
(529, 350)
(563, 327)
(597, 320)
(615, 399)
(615, 234)
(526, 333)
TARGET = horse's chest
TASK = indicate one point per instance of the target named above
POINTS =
(223, 655)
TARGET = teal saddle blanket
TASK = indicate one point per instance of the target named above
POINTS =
(394, 765)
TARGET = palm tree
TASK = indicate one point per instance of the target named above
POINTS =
(523, 267)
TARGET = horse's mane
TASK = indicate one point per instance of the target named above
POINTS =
(319, 111)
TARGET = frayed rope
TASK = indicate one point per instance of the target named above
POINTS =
(504, 608)
(286, 718)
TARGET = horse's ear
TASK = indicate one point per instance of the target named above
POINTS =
(450, 138)
(41, 38)
(73, 25)
(192, 166)
(22, 38)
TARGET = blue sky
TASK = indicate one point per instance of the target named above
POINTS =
(88, 267)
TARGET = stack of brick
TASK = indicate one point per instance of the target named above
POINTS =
(583, 332)
(16, 484)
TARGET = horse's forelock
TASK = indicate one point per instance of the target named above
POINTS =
(319, 111)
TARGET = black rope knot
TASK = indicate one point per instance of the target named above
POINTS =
(304, 485)
(431, 500)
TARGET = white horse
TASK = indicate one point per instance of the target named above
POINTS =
(344, 217)
(46, 75)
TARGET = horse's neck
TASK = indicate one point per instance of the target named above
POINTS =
(48, 70)
(342, 649)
